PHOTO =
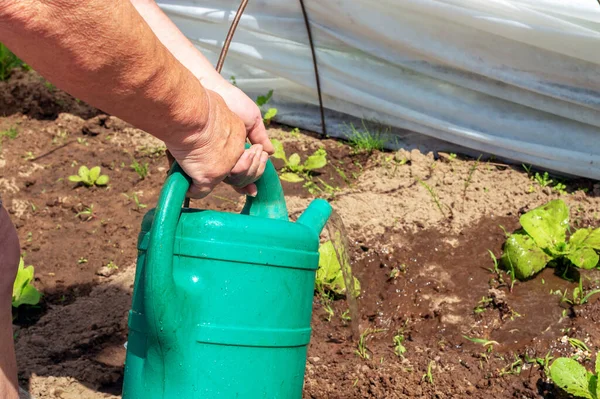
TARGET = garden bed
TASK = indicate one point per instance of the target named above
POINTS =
(420, 229)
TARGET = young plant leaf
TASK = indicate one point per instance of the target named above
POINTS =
(316, 160)
(94, 174)
(572, 377)
(262, 100)
(270, 114)
(83, 172)
(523, 255)
(291, 177)
(329, 274)
(586, 238)
(24, 293)
(294, 160)
(279, 151)
(75, 179)
(585, 258)
(102, 180)
(547, 224)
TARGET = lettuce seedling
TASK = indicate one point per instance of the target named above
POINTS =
(571, 376)
(89, 177)
(24, 293)
(543, 239)
(294, 170)
(329, 274)
(270, 112)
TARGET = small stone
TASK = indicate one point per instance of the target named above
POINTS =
(106, 271)
(314, 359)
(365, 368)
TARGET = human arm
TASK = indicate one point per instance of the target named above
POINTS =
(103, 52)
(195, 61)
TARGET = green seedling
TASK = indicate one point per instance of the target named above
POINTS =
(82, 141)
(346, 316)
(543, 180)
(482, 305)
(482, 341)
(578, 344)
(365, 140)
(399, 348)
(362, 349)
(560, 188)
(49, 86)
(542, 362)
(429, 375)
(8, 61)
(24, 293)
(89, 177)
(472, 170)
(514, 368)
(295, 132)
(573, 378)
(28, 156)
(11, 133)
(140, 169)
(295, 170)
(434, 197)
(270, 113)
(580, 297)
(329, 274)
(87, 213)
(112, 266)
(329, 310)
(82, 260)
(543, 240)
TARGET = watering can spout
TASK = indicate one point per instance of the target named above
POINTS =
(316, 215)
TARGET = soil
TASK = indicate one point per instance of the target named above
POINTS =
(420, 228)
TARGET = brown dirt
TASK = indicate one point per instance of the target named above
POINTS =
(71, 346)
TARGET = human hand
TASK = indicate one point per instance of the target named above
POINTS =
(216, 153)
(242, 106)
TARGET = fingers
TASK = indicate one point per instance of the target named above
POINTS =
(248, 169)
(258, 135)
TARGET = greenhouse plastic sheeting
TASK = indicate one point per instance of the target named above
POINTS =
(519, 79)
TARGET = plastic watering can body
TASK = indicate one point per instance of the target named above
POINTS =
(222, 302)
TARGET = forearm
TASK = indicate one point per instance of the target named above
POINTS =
(176, 41)
(103, 52)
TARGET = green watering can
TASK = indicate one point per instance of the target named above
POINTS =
(222, 302)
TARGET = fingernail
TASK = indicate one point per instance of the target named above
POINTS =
(252, 191)
(264, 156)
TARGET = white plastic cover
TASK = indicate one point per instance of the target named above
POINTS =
(519, 79)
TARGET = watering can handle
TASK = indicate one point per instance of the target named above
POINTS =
(268, 203)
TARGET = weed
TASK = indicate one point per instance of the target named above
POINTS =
(295, 132)
(295, 170)
(514, 368)
(138, 205)
(578, 344)
(527, 169)
(399, 348)
(140, 169)
(82, 141)
(152, 151)
(362, 349)
(560, 188)
(49, 86)
(580, 297)
(429, 375)
(24, 293)
(89, 177)
(82, 260)
(482, 341)
(543, 239)
(87, 213)
(28, 156)
(434, 196)
(482, 305)
(365, 140)
(346, 315)
(8, 61)
(329, 310)
(472, 170)
(543, 180)
(11, 133)
(112, 266)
